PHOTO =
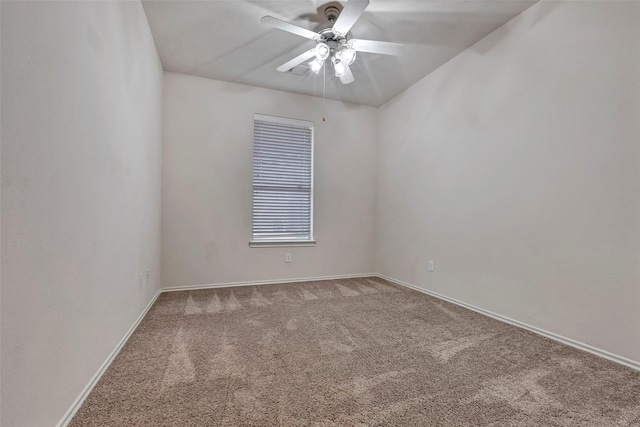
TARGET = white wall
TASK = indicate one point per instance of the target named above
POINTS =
(81, 165)
(516, 168)
(206, 192)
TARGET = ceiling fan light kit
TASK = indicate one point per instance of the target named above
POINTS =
(334, 42)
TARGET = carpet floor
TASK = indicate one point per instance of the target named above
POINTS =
(348, 353)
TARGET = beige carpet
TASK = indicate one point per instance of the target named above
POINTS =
(344, 353)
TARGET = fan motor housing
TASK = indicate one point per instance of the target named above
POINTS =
(331, 39)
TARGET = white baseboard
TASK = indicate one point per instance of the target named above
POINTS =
(66, 419)
(265, 282)
(564, 340)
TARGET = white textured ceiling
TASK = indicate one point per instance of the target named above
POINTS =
(225, 40)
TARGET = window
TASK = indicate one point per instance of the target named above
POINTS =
(282, 181)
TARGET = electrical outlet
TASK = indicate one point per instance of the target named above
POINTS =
(430, 265)
(287, 257)
(148, 274)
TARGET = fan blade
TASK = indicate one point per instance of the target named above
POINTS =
(297, 60)
(282, 25)
(347, 77)
(372, 46)
(349, 15)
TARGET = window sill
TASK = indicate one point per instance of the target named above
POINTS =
(280, 243)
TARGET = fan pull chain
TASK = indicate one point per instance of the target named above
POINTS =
(324, 91)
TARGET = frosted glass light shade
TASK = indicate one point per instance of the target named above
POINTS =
(347, 55)
(339, 66)
(316, 65)
(322, 51)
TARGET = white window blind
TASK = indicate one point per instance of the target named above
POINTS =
(282, 179)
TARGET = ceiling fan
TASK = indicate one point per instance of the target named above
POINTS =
(333, 43)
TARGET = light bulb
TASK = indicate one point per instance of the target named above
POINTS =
(322, 51)
(339, 66)
(316, 65)
(347, 55)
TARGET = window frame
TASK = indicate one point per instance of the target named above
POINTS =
(284, 241)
